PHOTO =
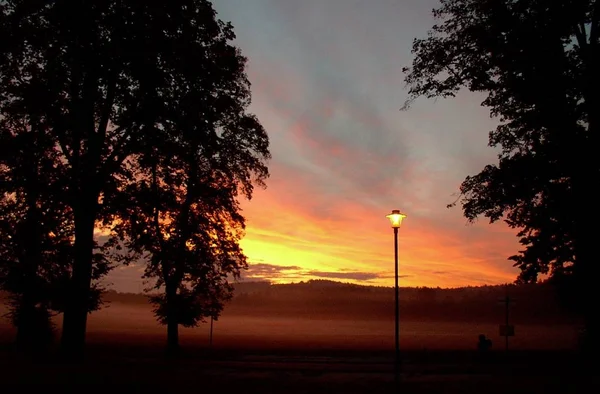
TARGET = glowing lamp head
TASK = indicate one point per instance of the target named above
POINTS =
(396, 218)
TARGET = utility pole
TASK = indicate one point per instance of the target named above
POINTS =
(210, 338)
(506, 309)
(507, 330)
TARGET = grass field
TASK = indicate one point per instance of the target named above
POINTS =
(281, 355)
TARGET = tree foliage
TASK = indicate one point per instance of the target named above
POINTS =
(36, 252)
(537, 62)
(185, 217)
(108, 82)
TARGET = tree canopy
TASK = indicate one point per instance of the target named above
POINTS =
(537, 63)
(185, 217)
(108, 86)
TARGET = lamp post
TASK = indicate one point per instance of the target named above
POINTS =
(396, 220)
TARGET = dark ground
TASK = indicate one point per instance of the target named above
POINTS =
(256, 355)
(119, 368)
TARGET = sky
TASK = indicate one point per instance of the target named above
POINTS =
(327, 84)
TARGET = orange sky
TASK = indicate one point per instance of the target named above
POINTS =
(287, 241)
(327, 85)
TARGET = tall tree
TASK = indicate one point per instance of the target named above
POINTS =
(36, 252)
(60, 70)
(187, 227)
(32, 231)
(537, 61)
(96, 73)
(185, 218)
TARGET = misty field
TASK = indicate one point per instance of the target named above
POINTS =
(281, 332)
(320, 337)
(258, 354)
(123, 323)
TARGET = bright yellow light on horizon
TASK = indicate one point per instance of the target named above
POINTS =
(396, 218)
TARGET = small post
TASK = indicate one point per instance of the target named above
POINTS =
(506, 330)
(210, 338)
(506, 308)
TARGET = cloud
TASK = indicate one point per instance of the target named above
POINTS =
(356, 276)
(277, 273)
(359, 276)
(269, 270)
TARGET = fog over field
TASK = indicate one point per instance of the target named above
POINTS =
(312, 315)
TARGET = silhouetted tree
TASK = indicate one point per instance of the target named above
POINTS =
(537, 61)
(31, 232)
(184, 214)
(102, 77)
(186, 222)
(36, 252)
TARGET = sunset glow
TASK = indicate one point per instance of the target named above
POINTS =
(327, 86)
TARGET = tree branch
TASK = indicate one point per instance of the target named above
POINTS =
(107, 108)
(595, 29)
(113, 161)
(74, 115)
(156, 210)
(60, 132)
(581, 36)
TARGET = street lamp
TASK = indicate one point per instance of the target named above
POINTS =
(396, 220)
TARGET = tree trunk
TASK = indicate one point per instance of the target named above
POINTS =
(172, 320)
(586, 268)
(25, 323)
(76, 308)
(589, 299)
(172, 336)
(31, 331)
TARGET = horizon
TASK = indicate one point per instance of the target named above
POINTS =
(336, 282)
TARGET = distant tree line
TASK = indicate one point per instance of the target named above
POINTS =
(537, 303)
(130, 117)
